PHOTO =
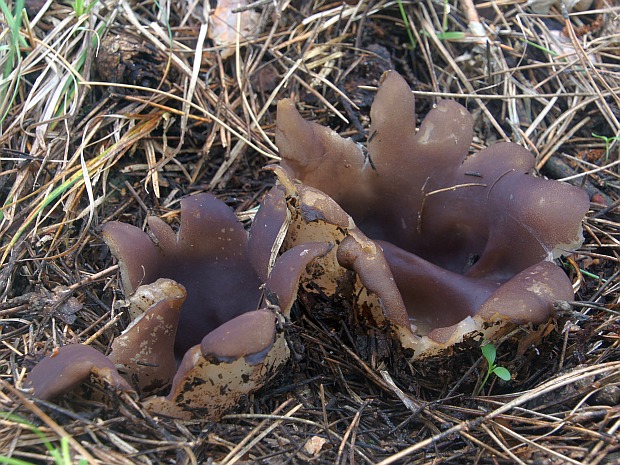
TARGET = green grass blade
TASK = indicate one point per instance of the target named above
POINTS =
(12, 461)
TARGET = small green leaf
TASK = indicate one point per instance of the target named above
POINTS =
(489, 352)
(502, 373)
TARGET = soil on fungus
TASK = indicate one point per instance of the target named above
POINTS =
(110, 113)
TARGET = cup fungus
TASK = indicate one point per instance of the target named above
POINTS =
(201, 300)
(469, 239)
(421, 237)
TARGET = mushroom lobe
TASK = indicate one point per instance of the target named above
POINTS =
(145, 350)
(231, 361)
(69, 366)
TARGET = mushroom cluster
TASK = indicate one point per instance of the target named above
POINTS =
(421, 238)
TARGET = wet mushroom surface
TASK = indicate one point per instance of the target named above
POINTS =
(470, 239)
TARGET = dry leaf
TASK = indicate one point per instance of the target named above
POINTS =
(314, 445)
(226, 26)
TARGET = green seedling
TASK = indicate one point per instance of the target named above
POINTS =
(608, 141)
(61, 454)
(490, 353)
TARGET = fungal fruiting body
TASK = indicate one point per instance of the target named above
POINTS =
(195, 294)
(419, 236)
(469, 240)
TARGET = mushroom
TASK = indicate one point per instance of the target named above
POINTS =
(469, 239)
(213, 271)
(218, 296)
